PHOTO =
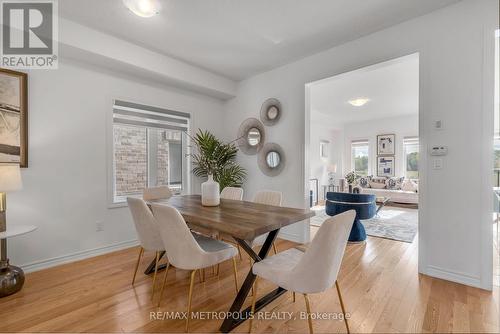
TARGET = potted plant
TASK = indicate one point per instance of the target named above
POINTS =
(215, 160)
(351, 179)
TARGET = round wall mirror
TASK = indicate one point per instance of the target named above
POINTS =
(273, 159)
(270, 112)
(253, 137)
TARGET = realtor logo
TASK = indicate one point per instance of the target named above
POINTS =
(29, 34)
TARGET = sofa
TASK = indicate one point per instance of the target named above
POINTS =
(398, 189)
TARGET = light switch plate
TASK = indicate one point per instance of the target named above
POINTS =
(437, 164)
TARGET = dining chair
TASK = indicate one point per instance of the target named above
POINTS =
(147, 232)
(232, 193)
(312, 271)
(189, 251)
(267, 197)
(156, 193)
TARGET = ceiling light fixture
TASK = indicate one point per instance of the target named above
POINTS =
(143, 8)
(358, 102)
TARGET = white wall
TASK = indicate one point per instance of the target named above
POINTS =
(456, 86)
(66, 183)
(403, 126)
(318, 165)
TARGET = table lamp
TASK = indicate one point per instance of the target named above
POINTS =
(11, 277)
(332, 169)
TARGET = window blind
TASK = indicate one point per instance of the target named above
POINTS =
(129, 113)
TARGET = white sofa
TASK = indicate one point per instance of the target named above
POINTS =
(396, 196)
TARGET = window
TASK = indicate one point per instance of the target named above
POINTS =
(411, 152)
(149, 149)
(360, 157)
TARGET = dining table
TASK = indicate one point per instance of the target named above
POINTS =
(243, 221)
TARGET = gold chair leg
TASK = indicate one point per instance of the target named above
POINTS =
(164, 283)
(275, 249)
(235, 275)
(342, 306)
(293, 296)
(239, 252)
(190, 296)
(308, 309)
(254, 299)
(154, 276)
(141, 251)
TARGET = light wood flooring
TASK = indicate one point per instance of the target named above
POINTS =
(381, 288)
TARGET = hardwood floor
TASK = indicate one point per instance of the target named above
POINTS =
(379, 281)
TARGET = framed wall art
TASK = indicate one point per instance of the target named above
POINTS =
(385, 166)
(13, 117)
(386, 144)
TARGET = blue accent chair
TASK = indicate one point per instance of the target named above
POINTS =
(364, 205)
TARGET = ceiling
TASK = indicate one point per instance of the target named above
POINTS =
(240, 38)
(392, 87)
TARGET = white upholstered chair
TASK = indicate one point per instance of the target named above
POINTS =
(232, 193)
(269, 198)
(156, 193)
(147, 232)
(314, 270)
(189, 251)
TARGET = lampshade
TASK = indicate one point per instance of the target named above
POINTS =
(332, 168)
(10, 178)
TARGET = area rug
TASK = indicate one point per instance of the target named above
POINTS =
(393, 223)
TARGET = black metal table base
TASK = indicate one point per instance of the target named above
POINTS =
(235, 316)
(151, 268)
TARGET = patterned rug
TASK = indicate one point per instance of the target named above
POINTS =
(399, 224)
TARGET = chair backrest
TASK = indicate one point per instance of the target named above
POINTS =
(269, 197)
(182, 249)
(232, 193)
(145, 225)
(320, 265)
(156, 193)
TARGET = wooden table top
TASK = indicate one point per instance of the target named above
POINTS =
(240, 219)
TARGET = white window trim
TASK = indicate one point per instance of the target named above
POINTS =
(110, 199)
(360, 142)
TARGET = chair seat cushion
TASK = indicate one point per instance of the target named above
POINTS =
(277, 268)
(210, 245)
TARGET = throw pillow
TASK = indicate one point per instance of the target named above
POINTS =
(377, 185)
(394, 183)
(364, 181)
(409, 185)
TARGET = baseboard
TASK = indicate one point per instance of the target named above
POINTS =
(454, 276)
(56, 261)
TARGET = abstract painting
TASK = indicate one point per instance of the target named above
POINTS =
(385, 166)
(13, 117)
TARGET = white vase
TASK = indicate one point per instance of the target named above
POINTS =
(210, 192)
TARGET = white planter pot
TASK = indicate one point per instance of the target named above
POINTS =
(210, 192)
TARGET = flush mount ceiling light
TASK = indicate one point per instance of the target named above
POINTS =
(358, 102)
(143, 8)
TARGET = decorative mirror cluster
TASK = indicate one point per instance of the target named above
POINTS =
(271, 159)
(270, 112)
(252, 137)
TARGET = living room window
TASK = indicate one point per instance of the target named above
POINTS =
(360, 157)
(149, 149)
(411, 154)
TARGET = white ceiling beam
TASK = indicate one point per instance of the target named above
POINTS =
(82, 43)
